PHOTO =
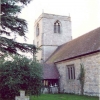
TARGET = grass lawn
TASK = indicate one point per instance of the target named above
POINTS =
(63, 97)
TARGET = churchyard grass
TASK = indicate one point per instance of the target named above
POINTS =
(63, 97)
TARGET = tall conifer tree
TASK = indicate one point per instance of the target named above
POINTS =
(12, 24)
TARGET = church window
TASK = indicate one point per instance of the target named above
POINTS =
(57, 27)
(71, 72)
(37, 30)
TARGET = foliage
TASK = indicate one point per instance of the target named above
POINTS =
(19, 73)
(9, 17)
(81, 77)
(11, 24)
(9, 45)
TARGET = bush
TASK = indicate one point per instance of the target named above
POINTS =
(19, 73)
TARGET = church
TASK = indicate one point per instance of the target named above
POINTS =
(62, 56)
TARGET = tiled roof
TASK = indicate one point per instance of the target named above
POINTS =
(85, 44)
(50, 71)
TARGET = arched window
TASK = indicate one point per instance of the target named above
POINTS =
(71, 72)
(37, 30)
(57, 27)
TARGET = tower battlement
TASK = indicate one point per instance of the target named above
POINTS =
(53, 16)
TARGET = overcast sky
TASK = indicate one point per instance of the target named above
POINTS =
(85, 14)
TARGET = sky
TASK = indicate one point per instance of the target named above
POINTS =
(85, 14)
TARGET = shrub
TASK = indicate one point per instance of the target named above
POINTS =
(19, 73)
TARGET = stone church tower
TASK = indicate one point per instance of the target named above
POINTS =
(51, 31)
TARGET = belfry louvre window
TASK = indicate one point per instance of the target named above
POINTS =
(57, 27)
(37, 30)
(71, 71)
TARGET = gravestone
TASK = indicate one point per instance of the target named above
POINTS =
(54, 89)
(22, 96)
(45, 90)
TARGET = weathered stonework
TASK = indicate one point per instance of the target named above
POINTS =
(22, 96)
(47, 39)
(92, 72)
(48, 50)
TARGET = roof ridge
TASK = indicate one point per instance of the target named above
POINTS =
(89, 32)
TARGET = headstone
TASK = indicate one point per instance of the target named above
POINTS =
(22, 96)
(54, 89)
(55, 85)
(45, 90)
(22, 93)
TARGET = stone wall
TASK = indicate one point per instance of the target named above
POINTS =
(48, 40)
(51, 38)
(38, 38)
(92, 71)
(47, 51)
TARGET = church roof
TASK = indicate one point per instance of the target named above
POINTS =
(50, 71)
(83, 45)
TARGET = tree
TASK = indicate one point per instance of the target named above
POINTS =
(82, 78)
(11, 24)
(19, 73)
